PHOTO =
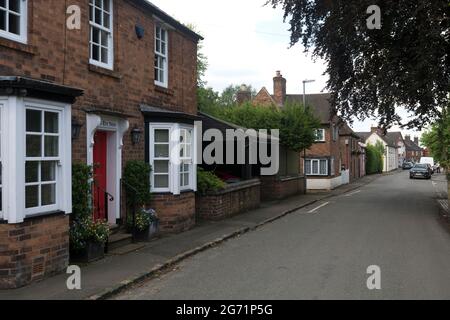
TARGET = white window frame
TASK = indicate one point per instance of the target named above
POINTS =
(187, 159)
(22, 37)
(323, 135)
(110, 31)
(43, 158)
(318, 161)
(175, 159)
(162, 55)
(1, 161)
(14, 156)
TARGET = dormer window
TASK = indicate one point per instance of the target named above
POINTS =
(161, 57)
(13, 20)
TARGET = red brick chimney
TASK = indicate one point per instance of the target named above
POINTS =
(243, 95)
(279, 89)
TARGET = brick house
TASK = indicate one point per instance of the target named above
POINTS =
(352, 153)
(88, 95)
(413, 151)
(323, 159)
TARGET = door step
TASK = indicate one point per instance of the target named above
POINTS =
(118, 240)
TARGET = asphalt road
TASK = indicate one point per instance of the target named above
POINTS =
(323, 252)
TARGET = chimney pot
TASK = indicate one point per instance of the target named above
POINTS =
(243, 95)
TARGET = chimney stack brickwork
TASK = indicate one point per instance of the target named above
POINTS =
(243, 95)
(279, 89)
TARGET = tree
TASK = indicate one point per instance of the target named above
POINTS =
(405, 63)
(374, 159)
(202, 60)
(229, 94)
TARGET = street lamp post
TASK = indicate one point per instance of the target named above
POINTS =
(304, 150)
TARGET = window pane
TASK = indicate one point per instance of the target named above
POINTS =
(96, 35)
(161, 181)
(14, 5)
(31, 171)
(51, 146)
(98, 16)
(31, 196)
(162, 135)
(106, 20)
(323, 167)
(104, 52)
(95, 52)
(34, 121)
(3, 20)
(161, 151)
(14, 23)
(3, 3)
(315, 167)
(161, 167)
(104, 38)
(48, 171)
(34, 146)
(308, 166)
(48, 194)
(51, 122)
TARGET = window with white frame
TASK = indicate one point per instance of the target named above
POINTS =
(42, 156)
(320, 135)
(316, 167)
(185, 158)
(101, 33)
(172, 147)
(13, 20)
(1, 167)
(161, 56)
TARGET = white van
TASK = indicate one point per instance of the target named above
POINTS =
(428, 160)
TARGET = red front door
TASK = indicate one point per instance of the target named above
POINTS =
(100, 165)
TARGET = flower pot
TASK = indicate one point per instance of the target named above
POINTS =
(142, 235)
(92, 252)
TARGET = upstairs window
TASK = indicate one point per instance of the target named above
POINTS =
(320, 135)
(13, 20)
(161, 57)
(101, 33)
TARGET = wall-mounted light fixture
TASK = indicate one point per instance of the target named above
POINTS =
(140, 31)
(76, 128)
(136, 135)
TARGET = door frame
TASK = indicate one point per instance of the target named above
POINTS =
(116, 128)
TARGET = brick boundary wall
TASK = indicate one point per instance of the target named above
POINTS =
(278, 188)
(235, 199)
(33, 250)
(176, 212)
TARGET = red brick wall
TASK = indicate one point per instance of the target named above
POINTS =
(33, 250)
(176, 213)
(276, 188)
(236, 199)
(63, 56)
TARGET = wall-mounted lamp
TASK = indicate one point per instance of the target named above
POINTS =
(136, 135)
(76, 129)
(140, 31)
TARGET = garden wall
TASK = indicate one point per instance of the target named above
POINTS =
(236, 198)
(278, 188)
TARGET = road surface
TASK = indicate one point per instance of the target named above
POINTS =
(323, 252)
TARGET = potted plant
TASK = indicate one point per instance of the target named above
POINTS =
(146, 225)
(88, 239)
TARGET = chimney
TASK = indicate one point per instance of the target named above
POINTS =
(374, 129)
(408, 137)
(416, 140)
(279, 89)
(243, 95)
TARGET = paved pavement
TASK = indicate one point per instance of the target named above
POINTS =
(323, 251)
(102, 278)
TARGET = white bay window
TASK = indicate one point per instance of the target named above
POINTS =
(35, 158)
(316, 167)
(172, 147)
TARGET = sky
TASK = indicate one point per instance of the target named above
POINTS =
(247, 42)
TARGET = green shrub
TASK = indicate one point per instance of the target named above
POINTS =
(137, 182)
(208, 182)
(374, 160)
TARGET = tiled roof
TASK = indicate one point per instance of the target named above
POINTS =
(411, 146)
(319, 102)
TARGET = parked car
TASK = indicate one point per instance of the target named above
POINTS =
(421, 170)
(407, 165)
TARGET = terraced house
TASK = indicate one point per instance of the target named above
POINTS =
(113, 90)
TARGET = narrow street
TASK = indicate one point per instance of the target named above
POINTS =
(323, 252)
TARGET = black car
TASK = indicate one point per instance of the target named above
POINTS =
(420, 171)
(407, 165)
